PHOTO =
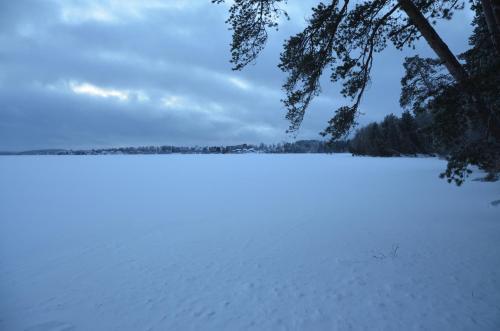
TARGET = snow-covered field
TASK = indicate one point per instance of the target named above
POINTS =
(236, 242)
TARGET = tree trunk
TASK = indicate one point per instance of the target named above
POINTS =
(434, 40)
(451, 63)
(493, 24)
(495, 5)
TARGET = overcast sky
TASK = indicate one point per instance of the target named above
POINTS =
(84, 74)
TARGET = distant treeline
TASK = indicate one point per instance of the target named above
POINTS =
(301, 146)
(394, 136)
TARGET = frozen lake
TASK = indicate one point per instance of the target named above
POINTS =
(235, 242)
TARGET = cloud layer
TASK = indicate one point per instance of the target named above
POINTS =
(81, 74)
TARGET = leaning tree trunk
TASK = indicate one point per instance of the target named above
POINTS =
(451, 63)
(434, 40)
(492, 22)
(495, 5)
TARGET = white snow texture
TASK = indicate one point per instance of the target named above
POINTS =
(245, 242)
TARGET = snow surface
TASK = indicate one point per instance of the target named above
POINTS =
(236, 242)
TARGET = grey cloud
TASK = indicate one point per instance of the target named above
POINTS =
(163, 52)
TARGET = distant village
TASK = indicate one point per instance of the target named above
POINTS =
(301, 146)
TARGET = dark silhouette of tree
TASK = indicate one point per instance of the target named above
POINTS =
(344, 36)
(467, 134)
(410, 141)
(392, 137)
